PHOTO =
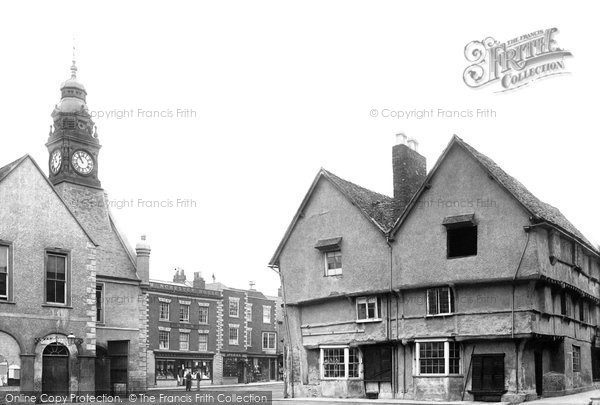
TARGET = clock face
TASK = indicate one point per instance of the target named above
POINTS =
(82, 162)
(55, 161)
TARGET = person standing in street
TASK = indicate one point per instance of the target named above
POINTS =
(198, 379)
(188, 381)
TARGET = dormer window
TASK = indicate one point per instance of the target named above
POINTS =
(461, 235)
(332, 254)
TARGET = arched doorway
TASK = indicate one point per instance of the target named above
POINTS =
(10, 361)
(55, 369)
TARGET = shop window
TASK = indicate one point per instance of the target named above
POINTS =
(340, 362)
(438, 357)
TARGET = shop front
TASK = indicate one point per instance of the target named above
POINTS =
(172, 366)
(263, 368)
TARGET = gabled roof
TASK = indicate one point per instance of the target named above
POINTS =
(379, 209)
(5, 171)
(541, 211)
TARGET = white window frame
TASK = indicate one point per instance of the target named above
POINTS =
(7, 297)
(332, 272)
(182, 306)
(103, 302)
(236, 301)
(274, 340)
(232, 342)
(160, 346)
(365, 301)
(188, 341)
(201, 308)
(248, 337)
(417, 363)
(451, 304)
(267, 314)
(160, 317)
(249, 312)
(202, 333)
(346, 362)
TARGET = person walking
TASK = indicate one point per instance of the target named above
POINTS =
(188, 381)
(198, 379)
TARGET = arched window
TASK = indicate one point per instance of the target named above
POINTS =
(56, 349)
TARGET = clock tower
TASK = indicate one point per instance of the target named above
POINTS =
(73, 144)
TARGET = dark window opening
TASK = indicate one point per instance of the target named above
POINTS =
(576, 359)
(56, 278)
(462, 241)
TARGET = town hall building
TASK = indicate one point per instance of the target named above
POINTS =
(73, 292)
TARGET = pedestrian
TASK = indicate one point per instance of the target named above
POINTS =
(188, 381)
(198, 379)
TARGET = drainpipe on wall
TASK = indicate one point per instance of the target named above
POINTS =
(528, 231)
(288, 333)
(389, 319)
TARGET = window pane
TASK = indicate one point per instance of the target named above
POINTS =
(3, 285)
(362, 311)
(371, 310)
(444, 300)
(60, 267)
(50, 292)
(431, 357)
(60, 292)
(353, 363)
(3, 259)
(454, 351)
(333, 363)
(432, 302)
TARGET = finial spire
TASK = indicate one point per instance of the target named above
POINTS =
(74, 65)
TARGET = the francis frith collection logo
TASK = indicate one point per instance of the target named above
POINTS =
(515, 63)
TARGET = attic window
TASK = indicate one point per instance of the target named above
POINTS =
(461, 231)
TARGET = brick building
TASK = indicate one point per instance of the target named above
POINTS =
(65, 261)
(183, 329)
(249, 344)
(463, 285)
(228, 334)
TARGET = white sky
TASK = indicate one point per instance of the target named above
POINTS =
(281, 89)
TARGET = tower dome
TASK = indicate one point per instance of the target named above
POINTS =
(73, 94)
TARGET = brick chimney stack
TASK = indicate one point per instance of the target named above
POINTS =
(199, 282)
(179, 276)
(142, 252)
(410, 170)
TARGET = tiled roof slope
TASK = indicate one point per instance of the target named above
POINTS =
(537, 207)
(379, 207)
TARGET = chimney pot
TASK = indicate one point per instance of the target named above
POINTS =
(252, 284)
(401, 138)
(199, 282)
(413, 144)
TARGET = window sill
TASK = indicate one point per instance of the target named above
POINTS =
(369, 320)
(439, 376)
(7, 302)
(333, 275)
(50, 305)
(460, 257)
(164, 320)
(440, 315)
